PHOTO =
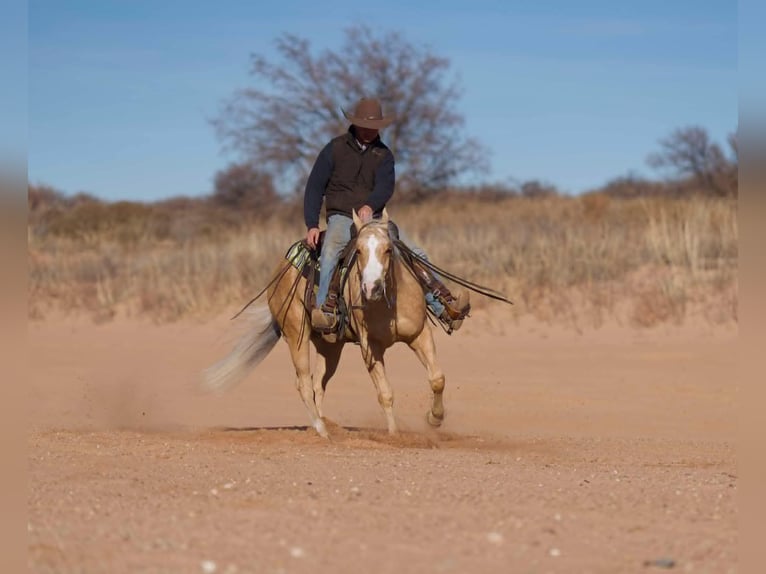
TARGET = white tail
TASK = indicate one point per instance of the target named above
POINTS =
(260, 337)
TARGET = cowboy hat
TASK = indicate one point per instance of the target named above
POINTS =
(368, 114)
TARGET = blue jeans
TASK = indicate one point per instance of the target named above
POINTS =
(337, 236)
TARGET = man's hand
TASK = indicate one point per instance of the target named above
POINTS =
(365, 213)
(312, 237)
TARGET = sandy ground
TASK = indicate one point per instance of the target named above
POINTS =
(605, 451)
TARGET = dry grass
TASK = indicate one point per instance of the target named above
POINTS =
(578, 260)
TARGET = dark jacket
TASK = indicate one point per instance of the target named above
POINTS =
(347, 178)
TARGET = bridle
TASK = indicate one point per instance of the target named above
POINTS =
(355, 264)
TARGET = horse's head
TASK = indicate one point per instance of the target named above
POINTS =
(373, 247)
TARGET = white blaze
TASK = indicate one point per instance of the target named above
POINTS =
(374, 268)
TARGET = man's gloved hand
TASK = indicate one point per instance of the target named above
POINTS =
(312, 237)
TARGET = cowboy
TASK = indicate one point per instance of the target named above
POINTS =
(355, 171)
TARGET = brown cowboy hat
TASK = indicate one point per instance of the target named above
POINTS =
(368, 114)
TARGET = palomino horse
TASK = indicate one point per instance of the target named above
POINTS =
(386, 305)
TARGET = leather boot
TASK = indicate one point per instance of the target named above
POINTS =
(455, 310)
(323, 321)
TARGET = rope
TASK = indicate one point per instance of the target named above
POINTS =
(275, 279)
(486, 291)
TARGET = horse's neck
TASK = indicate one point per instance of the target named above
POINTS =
(404, 277)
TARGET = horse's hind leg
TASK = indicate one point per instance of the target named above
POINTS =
(425, 349)
(328, 357)
(300, 356)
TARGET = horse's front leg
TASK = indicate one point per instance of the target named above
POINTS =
(373, 357)
(425, 349)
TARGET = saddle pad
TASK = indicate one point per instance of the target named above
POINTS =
(303, 259)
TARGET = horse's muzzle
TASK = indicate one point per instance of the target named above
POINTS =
(372, 291)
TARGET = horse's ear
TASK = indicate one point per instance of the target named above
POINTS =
(384, 217)
(357, 221)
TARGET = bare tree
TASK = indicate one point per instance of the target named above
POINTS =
(690, 153)
(293, 109)
(242, 186)
(44, 197)
(535, 189)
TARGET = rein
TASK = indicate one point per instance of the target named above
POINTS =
(480, 289)
(275, 279)
(402, 253)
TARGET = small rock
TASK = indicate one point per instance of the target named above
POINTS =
(297, 552)
(554, 552)
(661, 563)
(208, 566)
(495, 538)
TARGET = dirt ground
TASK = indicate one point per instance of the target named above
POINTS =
(611, 450)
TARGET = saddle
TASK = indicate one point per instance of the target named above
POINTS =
(306, 260)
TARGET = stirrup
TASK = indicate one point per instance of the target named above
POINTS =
(324, 321)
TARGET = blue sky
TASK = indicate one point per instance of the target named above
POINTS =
(572, 93)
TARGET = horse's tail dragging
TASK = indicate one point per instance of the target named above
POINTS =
(259, 339)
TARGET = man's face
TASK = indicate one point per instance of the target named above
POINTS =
(366, 135)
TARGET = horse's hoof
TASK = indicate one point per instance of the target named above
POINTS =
(321, 429)
(433, 420)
